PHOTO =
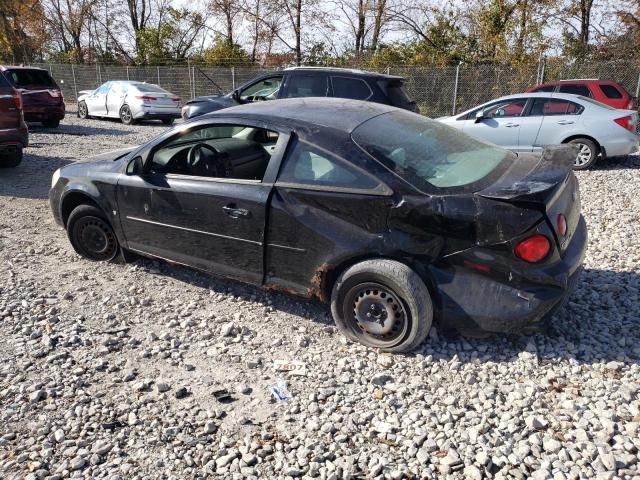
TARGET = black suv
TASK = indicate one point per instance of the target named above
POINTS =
(309, 82)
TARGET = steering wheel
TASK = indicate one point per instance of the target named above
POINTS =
(203, 160)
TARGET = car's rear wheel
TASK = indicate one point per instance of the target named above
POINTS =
(91, 234)
(588, 153)
(382, 304)
(126, 116)
(168, 121)
(51, 123)
(12, 160)
(83, 111)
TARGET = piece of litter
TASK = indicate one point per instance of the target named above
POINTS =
(279, 390)
(223, 396)
(294, 367)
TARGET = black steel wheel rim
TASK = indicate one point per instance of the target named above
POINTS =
(96, 238)
(376, 313)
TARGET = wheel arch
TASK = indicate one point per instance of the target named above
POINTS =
(74, 199)
(601, 149)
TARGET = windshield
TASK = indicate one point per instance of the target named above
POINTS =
(430, 155)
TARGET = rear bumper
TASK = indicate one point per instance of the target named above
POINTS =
(621, 146)
(40, 113)
(155, 113)
(13, 137)
(472, 301)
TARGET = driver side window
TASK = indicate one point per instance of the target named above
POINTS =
(217, 151)
(265, 89)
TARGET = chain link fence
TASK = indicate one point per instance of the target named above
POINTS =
(439, 91)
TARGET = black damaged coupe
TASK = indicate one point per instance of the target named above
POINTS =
(392, 218)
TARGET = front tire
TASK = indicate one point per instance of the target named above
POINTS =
(11, 160)
(126, 116)
(168, 121)
(382, 304)
(91, 234)
(587, 154)
(83, 111)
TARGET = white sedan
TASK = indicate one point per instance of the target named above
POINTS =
(130, 102)
(528, 122)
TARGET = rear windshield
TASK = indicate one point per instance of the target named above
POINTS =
(148, 87)
(595, 102)
(25, 77)
(396, 92)
(430, 155)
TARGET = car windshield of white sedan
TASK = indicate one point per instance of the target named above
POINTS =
(428, 153)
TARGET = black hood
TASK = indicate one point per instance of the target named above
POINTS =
(223, 101)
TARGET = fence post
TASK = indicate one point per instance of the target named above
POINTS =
(638, 87)
(158, 67)
(127, 73)
(233, 78)
(455, 89)
(98, 82)
(75, 85)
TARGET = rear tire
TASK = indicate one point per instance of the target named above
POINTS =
(168, 121)
(382, 304)
(126, 116)
(51, 123)
(12, 160)
(91, 234)
(587, 154)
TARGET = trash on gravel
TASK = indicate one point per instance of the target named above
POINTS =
(280, 391)
(294, 367)
(223, 395)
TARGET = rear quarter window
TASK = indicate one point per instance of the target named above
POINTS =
(575, 90)
(396, 92)
(355, 88)
(25, 77)
(610, 91)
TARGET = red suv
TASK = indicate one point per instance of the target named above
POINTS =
(13, 131)
(41, 96)
(604, 91)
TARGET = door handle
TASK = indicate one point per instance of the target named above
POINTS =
(510, 125)
(565, 122)
(234, 212)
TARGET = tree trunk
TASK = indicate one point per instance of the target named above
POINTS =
(378, 21)
(297, 31)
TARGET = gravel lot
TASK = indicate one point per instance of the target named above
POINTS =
(108, 371)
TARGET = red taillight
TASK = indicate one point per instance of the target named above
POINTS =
(626, 123)
(533, 249)
(176, 99)
(17, 98)
(146, 99)
(561, 225)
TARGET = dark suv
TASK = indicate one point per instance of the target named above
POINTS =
(309, 82)
(41, 96)
(13, 131)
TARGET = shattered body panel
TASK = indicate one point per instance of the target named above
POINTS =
(299, 239)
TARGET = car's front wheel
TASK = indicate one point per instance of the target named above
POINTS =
(382, 304)
(588, 153)
(12, 160)
(91, 234)
(126, 116)
(83, 110)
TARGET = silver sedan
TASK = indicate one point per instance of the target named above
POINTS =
(130, 102)
(528, 122)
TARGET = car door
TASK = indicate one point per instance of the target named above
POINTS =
(97, 101)
(559, 119)
(323, 209)
(215, 224)
(500, 123)
(115, 95)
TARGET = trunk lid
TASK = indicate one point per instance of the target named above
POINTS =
(164, 99)
(546, 183)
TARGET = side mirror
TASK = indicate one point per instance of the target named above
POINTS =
(479, 116)
(135, 166)
(236, 95)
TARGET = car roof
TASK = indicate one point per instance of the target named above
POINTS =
(562, 96)
(582, 81)
(353, 71)
(339, 113)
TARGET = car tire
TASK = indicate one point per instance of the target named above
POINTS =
(51, 123)
(12, 160)
(587, 154)
(377, 289)
(91, 234)
(83, 111)
(126, 116)
(168, 121)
